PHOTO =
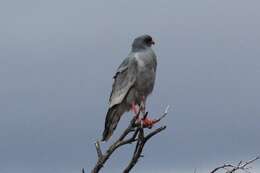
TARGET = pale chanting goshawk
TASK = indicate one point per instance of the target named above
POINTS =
(133, 82)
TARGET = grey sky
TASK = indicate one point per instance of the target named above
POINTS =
(57, 59)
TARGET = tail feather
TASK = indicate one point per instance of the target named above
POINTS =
(112, 118)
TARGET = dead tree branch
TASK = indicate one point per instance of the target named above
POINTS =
(242, 166)
(141, 141)
(137, 131)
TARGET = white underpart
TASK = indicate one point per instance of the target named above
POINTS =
(139, 60)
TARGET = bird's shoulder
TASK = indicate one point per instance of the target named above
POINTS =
(129, 62)
(123, 80)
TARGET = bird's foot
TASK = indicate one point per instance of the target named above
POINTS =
(148, 122)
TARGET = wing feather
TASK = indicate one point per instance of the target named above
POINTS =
(124, 79)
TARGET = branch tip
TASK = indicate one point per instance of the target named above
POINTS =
(98, 149)
(82, 170)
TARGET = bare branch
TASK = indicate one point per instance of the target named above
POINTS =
(102, 160)
(142, 139)
(154, 133)
(137, 132)
(98, 149)
(243, 166)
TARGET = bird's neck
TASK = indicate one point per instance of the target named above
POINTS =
(139, 48)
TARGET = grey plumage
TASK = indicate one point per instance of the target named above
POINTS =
(134, 80)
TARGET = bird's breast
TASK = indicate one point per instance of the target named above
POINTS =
(146, 74)
(145, 61)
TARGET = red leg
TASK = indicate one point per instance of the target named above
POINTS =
(143, 104)
(136, 112)
(133, 108)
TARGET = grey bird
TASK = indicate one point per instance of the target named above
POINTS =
(133, 82)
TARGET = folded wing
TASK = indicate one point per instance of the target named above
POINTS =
(124, 79)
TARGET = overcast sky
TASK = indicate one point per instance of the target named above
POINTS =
(57, 59)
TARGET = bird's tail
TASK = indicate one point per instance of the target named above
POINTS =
(112, 118)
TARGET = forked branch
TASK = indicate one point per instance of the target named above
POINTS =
(135, 131)
(141, 141)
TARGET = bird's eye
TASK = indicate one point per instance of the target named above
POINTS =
(148, 40)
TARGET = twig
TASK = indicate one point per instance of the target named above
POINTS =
(165, 113)
(243, 166)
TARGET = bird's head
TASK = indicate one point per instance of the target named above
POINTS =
(142, 42)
